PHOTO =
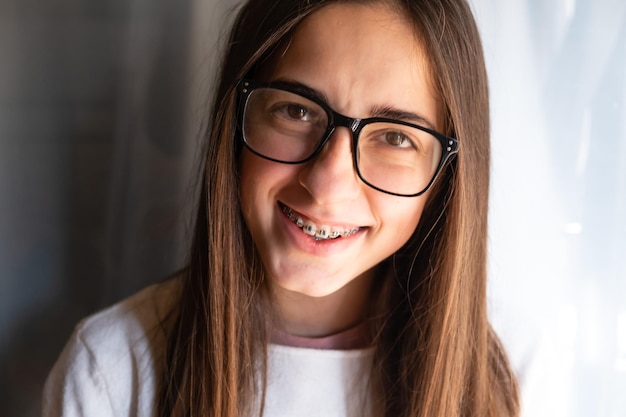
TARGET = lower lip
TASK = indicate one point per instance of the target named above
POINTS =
(309, 244)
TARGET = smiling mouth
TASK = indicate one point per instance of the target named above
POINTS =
(318, 232)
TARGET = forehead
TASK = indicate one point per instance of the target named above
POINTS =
(358, 56)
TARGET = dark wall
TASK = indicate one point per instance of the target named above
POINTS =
(96, 154)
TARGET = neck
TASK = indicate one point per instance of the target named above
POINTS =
(306, 316)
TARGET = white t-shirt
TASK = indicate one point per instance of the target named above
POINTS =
(110, 367)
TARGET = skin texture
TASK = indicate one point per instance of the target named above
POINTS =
(361, 59)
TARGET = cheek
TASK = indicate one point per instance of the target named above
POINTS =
(254, 186)
(400, 218)
(260, 182)
(410, 221)
(247, 185)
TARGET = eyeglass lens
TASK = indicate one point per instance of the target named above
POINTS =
(287, 127)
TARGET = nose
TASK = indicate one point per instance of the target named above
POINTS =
(331, 177)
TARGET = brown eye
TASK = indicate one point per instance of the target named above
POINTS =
(297, 112)
(395, 138)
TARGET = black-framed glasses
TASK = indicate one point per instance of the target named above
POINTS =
(283, 124)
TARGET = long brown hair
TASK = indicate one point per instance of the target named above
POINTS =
(437, 355)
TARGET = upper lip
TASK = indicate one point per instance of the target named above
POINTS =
(325, 222)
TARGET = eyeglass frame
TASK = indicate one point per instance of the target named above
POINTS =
(449, 145)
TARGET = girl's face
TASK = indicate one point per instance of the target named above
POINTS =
(361, 59)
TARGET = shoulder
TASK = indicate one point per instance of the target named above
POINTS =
(110, 365)
(131, 322)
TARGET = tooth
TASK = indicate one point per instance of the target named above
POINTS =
(322, 232)
(335, 232)
(309, 228)
(319, 232)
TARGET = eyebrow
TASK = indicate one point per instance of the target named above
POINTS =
(406, 116)
(387, 112)
(301, 88)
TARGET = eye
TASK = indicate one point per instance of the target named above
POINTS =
(296, 111)
(397, 139)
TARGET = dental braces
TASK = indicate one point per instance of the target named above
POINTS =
(310, 228)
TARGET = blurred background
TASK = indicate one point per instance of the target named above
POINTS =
(101, 105)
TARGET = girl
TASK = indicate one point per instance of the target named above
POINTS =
(339, 258)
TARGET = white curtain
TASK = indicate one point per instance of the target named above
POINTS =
(558, 205)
